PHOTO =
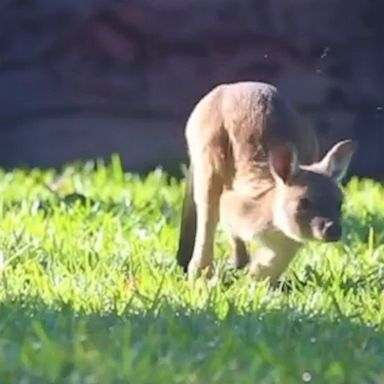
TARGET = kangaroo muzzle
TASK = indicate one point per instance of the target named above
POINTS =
(327, 230)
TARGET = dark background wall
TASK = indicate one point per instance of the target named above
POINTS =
(83, 79)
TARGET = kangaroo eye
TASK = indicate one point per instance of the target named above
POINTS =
(304, 204)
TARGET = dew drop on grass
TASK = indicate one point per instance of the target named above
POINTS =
(200, 357)
(142, 233)
(233, 365)
(83, 338)
(213, 343)
(36, 345)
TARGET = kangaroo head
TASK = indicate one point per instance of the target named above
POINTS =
(308, 198)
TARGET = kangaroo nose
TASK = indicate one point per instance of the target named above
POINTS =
(331, 231)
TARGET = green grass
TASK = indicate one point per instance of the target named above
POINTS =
(90, 292)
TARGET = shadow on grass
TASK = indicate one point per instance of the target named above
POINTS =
(174, 344)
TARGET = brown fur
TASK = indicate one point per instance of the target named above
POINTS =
(252, 164)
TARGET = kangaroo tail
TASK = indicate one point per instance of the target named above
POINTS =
(188, 224)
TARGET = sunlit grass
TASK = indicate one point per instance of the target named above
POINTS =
(90, 291)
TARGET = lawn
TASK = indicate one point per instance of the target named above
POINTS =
(90, 291)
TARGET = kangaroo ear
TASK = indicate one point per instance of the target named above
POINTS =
(336, 162)
(283, 162)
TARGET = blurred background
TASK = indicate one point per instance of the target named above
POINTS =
(85, 79)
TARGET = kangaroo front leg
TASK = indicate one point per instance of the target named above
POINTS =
(273, 258)
(207, 189)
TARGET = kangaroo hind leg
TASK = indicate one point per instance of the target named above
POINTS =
(239, 257)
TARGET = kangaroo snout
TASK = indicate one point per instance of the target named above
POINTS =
(328, 230)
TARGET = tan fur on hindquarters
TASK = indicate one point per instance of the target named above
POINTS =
(255, 166)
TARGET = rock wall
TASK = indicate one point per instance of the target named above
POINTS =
(83, 79)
